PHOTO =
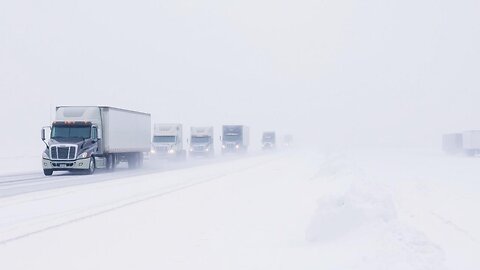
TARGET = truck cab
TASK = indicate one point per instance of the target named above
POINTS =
(72, 146)
(269, 141)
(235, 139)
(201, 142)
(167, 141)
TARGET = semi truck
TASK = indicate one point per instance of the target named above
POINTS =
(201, 142)
(452, 143)
(235, 139)
(287, 140)
(168, 141)
(269, 140)
(83, 138)
(471, 142)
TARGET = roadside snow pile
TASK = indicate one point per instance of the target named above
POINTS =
(361, 213)
(17, 164)
(336, 216)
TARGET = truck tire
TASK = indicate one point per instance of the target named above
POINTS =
(114, 161)
(47, 172)
(91, 166)
(110, 166)
(133, 161)
(140, 160)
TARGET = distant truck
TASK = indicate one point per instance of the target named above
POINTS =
(168, 141)
(83, 138)
(452, 143)
(471, 142)
(287, 140)
(201, 142)
(269, 140)
(235, 139)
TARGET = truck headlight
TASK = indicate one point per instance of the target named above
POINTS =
(237, 146)
(83, 155)
(171, 151)
(45, 155)
(191, 149)
(223, 146)
(153, 151)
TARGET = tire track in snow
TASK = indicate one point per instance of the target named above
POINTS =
(16, 184)
(133, 201)
(71, 180)
(457, 228)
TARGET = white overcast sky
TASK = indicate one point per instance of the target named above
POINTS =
(341, 72)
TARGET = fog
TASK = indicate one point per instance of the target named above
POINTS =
(356, 73)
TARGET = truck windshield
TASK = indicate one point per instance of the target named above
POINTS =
(62, 132)
(231, 137)
(164, 139)
(200, 139)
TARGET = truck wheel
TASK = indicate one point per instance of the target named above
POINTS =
(110, 162)
(91, 166)
(132, 161)
(47, 172)
(114, 161)
(140, 160)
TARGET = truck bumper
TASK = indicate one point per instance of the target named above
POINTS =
(164, 155)
(66, 165)
(200, 153)
(233, 150)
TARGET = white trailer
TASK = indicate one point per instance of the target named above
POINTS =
(90, 137)
(471, 142)
(452, 143)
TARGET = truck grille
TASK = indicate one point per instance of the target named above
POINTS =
(71, 153)
(53, 151)
(162, 148)
(63, 152)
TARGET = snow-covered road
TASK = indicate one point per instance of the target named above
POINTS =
(43, 203)
(385, 209)
(25, 182)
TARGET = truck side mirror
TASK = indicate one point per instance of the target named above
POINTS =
(43, 133)
(220, 138)
(95, 133)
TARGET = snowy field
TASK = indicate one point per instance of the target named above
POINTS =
(19, 164)
(381, 209)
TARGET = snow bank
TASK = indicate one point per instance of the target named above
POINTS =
(364, 215)
(339, 215)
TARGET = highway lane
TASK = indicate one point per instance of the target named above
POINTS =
(21, 183)
(52, 206)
